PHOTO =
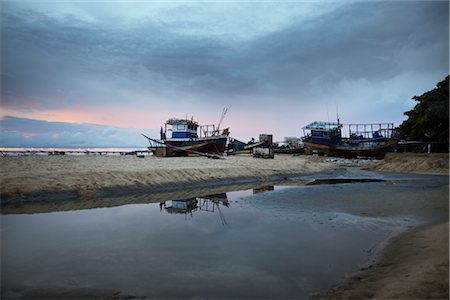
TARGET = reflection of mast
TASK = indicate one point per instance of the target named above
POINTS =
(216, 200)
(222, 217)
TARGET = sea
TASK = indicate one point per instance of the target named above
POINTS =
(71, 151)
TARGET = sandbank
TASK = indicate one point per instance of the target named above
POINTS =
(33, 178)
(43, 178)
(422, 163)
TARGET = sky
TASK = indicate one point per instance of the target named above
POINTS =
(100, 73)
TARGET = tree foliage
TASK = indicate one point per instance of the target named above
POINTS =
(428, 121)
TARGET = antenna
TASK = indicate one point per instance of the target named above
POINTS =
(337, 110)
(328, 114)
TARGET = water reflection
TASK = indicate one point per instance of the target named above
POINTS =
(180, 206)
(208, 203)
(282, 244)
(263, 189)
(211, 193)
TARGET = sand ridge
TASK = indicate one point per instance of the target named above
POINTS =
(89, 174)
(86, 176)
(433, 163)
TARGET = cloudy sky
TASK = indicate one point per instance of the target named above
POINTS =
(97, 74)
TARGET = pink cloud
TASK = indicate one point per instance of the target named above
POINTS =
(113, 116)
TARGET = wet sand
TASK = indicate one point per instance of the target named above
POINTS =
(414, 266)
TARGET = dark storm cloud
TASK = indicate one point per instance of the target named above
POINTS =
(44, 60)
(50, 62)
(366, 40)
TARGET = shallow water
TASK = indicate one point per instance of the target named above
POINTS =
(261, 243)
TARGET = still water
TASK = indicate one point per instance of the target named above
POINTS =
(243, 244)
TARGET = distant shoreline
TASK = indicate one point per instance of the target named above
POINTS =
(5, 151)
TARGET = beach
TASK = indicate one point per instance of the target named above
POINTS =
(63, 176)
(422, 163)
(33, 178)
(414, 264)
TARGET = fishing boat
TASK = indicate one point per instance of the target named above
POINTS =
(364, 140)
(181, 137)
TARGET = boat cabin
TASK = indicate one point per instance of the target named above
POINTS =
(188, 129)
(181, 128)
(324, 133)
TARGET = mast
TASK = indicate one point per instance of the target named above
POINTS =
(337, 111)
(224, 112)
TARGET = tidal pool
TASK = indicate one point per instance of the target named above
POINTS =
(267, 243)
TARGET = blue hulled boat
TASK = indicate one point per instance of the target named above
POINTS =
(364, 140)
(188, 134)
(181, 137)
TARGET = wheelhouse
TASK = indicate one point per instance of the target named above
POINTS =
(324, 133)
(181, 128)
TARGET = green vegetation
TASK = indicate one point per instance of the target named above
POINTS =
(428, 120)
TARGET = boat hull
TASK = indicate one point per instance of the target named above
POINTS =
(343, 150)
(215, 144)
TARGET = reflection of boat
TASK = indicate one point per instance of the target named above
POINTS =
(263, 189)
(366, 140)
(215, 200)
(187, 136)
(207, 203)
(180, 206)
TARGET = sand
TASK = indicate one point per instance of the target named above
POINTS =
(35, 178)
(434, 163)
(414, 266)
(90, 176)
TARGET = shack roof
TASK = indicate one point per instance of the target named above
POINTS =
(323, 126)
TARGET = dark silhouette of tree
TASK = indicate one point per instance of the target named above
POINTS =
(428, 120)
